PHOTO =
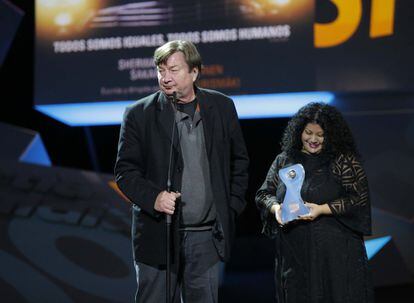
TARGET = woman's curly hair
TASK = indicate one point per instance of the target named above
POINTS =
(338, 138)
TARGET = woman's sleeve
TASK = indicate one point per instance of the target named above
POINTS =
(353, 209)
(266, 198)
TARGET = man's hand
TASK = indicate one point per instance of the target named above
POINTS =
(165, 202)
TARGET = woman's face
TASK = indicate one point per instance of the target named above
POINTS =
(312, 138)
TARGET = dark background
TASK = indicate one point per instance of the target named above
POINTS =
(382, 122)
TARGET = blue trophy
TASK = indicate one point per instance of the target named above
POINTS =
(293, 205)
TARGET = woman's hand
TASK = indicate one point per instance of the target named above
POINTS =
(276, 210)
(315, 210)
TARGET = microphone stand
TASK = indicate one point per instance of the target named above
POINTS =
(168, 218)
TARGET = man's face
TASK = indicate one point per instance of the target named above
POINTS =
(174, 76)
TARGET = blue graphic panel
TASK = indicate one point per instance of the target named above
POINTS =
(248, 107)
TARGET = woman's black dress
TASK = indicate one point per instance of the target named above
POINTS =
(322, 260)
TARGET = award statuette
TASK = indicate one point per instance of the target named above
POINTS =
(293, 205)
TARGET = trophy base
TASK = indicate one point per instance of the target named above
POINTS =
(293, 212)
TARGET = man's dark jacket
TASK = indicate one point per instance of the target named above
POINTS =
(142, 166)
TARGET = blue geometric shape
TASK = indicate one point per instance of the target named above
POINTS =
(373, 246)
(86, 114)
(35, 153)
(248, 107)
(276, 105)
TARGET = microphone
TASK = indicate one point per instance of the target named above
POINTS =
(173, 99)
(168, 218)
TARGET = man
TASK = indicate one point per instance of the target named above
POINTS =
(208, 173)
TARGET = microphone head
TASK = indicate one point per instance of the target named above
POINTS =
(173, 97)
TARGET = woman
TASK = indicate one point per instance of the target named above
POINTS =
(321, 256)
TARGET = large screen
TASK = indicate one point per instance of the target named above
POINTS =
(100, 51)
